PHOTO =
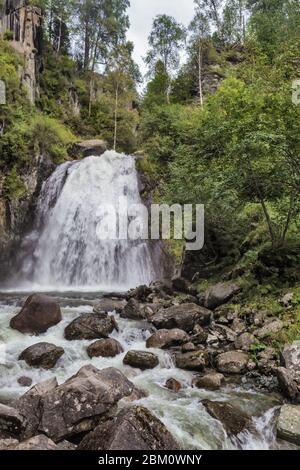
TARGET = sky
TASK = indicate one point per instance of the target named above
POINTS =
(142, 13)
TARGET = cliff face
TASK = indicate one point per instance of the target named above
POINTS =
(24, 22)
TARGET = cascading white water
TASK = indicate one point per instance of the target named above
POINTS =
(68, 252)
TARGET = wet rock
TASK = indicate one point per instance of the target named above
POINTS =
(11, 422)
(269, 329)
(105, 348)
(140, 293)
(25, 381)
(133, 310)
(137, 394)
(173, 385)
(211, 381)
(233, 419)
(167, 338)
(42, 355)
(196, 360)
(288, 425)
(232, 362)
(76, 406)
(290, 359)
(245, 341)
(109, 306)
(90, 326)
(184, 316)
(39, 313)
(141, 360)
(88, 148)
(134, 428)
(287, 384)
(219, 294)
(188, 347)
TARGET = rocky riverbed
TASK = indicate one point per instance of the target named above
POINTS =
(159, 367)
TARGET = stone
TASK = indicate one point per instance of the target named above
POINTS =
(134, 428)
(245, 341)
(167, 338)
(25, 381)
(136, 395)
(269, 329)
(140, 293)
(219, 294)
(109, 306)
(188, 347)
(290, 358)
(232, 362)
(42, 355)
(225, 333)
(288, 424)
(90, 326)
(184, 316)
(39, 313)
(141, 360)
(199, 335)
(40, 442)
(211, 381)
(88, 148)
(8, 444)
(180, 284)
(105, 348)
(196, 360)
(233, 419)
(74, 407)
(11, 422)
(133, 310)
(287, 384)
(173, 385)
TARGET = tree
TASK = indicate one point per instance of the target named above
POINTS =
(166, 39)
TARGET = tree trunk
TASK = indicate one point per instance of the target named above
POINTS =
(59, 36)
(200, 73)
(116, 116)
(87, 47)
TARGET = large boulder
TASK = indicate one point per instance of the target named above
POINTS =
(167, 338)
(245, 341)
(90, 326)
(195, 360)
(134, 428)
(39, 313)
(43, 355)
(141, 360)
(210, 381)
(74, 407)
(290, 358)
(109, 306)
(287, 384)
(233, 419)
(232, 362)
(184, 316)
(40, 442)
(140, 293)
(105, 348)
(11, 422)
(269, 329)
(219, 294)
(288, 424)
(88, 148)
(133, 310)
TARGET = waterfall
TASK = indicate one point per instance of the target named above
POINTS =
(67, 251)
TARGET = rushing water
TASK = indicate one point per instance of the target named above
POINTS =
(64, 250)
(182, 412)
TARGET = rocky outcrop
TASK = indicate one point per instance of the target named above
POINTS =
(141, 360)
(219, 294)
(167, 338)
(42, 355)
(184, 317)
(105, 348)
(24, 21)
(39, 313)
(288, 425)
(11, 422)
(89, 148)
(133, 310)
(134, 428)
(74, 407)
(90, 326)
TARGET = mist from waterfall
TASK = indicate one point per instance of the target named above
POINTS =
(67, 252)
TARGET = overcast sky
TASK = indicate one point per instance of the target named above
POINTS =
(142, 13)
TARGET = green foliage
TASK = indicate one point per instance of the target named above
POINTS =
(14, 187)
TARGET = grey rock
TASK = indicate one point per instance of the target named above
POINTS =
(233, 419)
(245, 341)
(269, 329)
(219, 294)
(141, 360)
(42, 355)
(105, 348)
(90, 326)
(211, 381)
(133, 310)
(288, 425)
(11, 422)
(196, 360)
(232, 362)
(287, 384)
(109, 306)
(167, 338)
(184, 316)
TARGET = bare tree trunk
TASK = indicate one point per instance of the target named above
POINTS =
(87, 48)
(116, 116)
(59, 36)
